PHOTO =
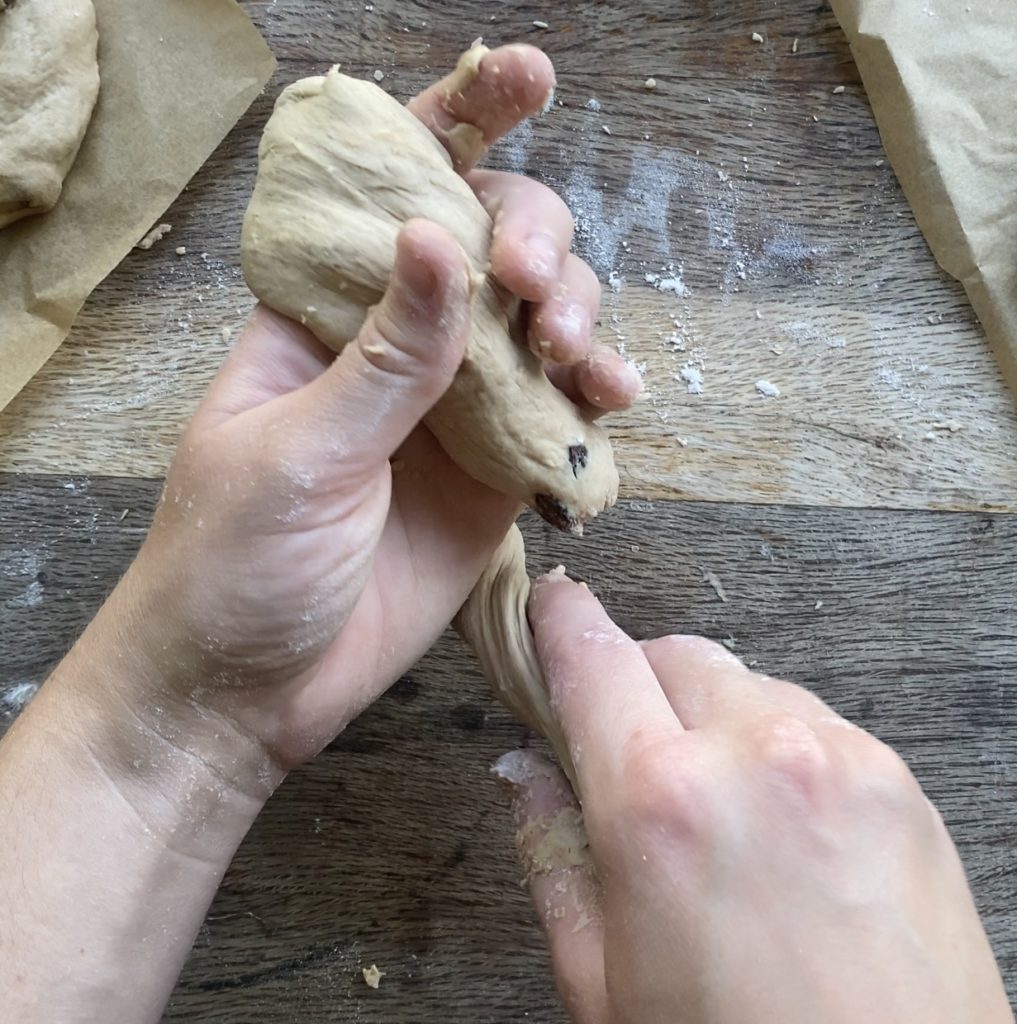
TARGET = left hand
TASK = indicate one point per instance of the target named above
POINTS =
(292, 572)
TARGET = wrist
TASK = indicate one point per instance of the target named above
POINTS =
(131, 688)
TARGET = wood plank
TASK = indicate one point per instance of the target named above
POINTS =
(392, 848)
(889, 397)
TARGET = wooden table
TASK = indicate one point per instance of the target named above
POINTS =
(860, 524)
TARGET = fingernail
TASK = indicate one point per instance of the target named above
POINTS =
(513, 768)
(518, 767)
(542, 256)
(418, 277)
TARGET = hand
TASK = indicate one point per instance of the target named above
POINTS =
(293, 571)
(290, 575)
(752, 856)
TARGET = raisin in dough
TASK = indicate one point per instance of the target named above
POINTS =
(342, 166)
(49, 80)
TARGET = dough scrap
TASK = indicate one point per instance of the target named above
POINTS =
(49, 81)
(342, 166)
(557, 843)
(493, 622)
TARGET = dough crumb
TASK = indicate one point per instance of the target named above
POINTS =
(540, 24)
(767, 390)
(372, 976)
(838, 90)
(157, 233)
(794, 45)
(757, 38)
(605, 129)
(593, 104)
(709, 576)
(817, 605)
(226, 334)
(378, 75)
(550, 844)
(181, 250)
(650, 84)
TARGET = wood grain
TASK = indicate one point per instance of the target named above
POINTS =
(768, 194)
(393, 848)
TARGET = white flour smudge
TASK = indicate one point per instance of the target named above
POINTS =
(604, 220)
(23, 565)
(514, 149)
(14, 697)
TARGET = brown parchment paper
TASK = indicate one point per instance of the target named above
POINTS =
(941, 76)
(175, 76)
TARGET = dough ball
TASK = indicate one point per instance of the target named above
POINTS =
(49, 80)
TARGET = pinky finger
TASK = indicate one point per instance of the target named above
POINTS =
(551, 842)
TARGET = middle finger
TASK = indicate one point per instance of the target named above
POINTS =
(532, 232)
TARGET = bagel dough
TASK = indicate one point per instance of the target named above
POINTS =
(342, 166)
(49, 80)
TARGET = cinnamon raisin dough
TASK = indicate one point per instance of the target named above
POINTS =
(342, 166)
(49, 80)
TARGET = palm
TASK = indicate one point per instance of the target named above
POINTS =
(439, 531)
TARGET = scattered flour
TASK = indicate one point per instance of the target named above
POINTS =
(24, 566)
(14, 697)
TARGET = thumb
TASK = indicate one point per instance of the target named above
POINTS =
(552, 844)
(405, 356)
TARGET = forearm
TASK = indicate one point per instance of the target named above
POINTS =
(115, 831)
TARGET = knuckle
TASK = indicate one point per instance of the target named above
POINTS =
(384, 348)
(881, 771)
(664, 792)
(678, 650)
(792, 753)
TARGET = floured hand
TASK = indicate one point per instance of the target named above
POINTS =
(752, 855)
(295, 571)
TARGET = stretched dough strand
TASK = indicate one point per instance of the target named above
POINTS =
(493, 622)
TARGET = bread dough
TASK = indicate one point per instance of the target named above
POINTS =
(342, 166)
(494, 623)
(49, 80)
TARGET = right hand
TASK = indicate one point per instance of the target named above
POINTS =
(754, 856)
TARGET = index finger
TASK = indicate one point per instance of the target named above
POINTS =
(602, 689)
(486, 96)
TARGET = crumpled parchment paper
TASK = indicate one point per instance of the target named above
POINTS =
(941, 76)
(176, 75)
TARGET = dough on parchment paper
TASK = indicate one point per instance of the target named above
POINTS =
(49, 81)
